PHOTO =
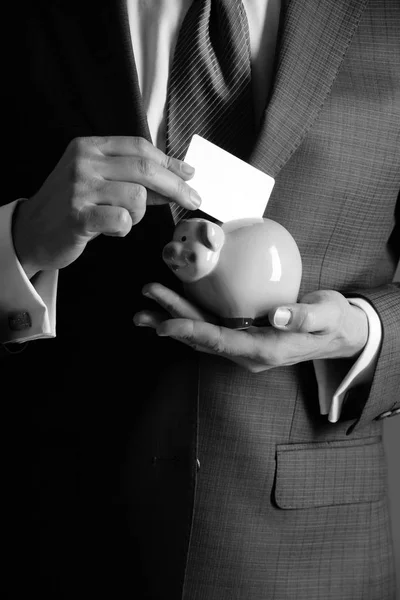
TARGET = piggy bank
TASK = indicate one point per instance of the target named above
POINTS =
(238, 271)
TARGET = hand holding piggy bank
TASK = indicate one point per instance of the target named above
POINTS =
(239, 270)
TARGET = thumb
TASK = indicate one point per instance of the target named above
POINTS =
(110, 220)
(318, 312)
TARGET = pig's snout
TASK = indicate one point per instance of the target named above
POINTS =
(176, 256)
(169, 253)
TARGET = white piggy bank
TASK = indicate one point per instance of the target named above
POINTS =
(237, 271)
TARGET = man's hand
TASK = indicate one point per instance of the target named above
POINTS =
(323, 325)
(100, 185)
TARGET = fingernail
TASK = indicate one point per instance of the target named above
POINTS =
(187, 169)
(161, 333)
(138, 322)
(195, 198)
(282, 317)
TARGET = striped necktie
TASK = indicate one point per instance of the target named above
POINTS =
(209, 91)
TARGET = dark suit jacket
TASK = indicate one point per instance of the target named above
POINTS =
(106, 425)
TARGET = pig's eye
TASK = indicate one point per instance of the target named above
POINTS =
(184, 238)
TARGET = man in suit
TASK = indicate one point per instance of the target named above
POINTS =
(139, 467)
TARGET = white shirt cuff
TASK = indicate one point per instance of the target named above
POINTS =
(19, 296)
(331, 389)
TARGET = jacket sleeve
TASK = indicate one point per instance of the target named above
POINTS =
(382, 398)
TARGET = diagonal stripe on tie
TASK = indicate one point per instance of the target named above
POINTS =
(209, 91)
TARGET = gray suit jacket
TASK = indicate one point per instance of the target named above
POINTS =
(287, 505)
(143, 470)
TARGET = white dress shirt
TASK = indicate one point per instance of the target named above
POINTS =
(154, 27)
(18, 294)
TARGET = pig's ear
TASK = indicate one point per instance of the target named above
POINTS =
(211, 235)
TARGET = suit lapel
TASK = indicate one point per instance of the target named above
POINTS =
(95, 45)
(315, 37)
(128, 65)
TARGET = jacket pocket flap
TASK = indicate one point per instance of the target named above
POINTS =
(329, 473)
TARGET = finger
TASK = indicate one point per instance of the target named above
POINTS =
(319, 312)
(154, 320)
(140, 147)
(173, 303)
(214, 339)
(153, 176)
(109, 220)
(131, 196)
(151, 319)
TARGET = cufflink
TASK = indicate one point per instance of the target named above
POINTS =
(19, 321)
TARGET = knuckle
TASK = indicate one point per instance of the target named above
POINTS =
(146, 167)
(168, 161)
(79, 145)
(310, 297)
(140, 144)
(81, 219)
(329, 295)
(74, 144)
(138, 214)
(139, 195)
(275, 358)
(78, 169)
(306, 320)
(217, 345)
(121, 222)
(182, 188)
(303, 319)
(117, 223)
(96, 141)
(263, 356)
(336, 318)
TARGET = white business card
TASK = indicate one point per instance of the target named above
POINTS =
(229, 187)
